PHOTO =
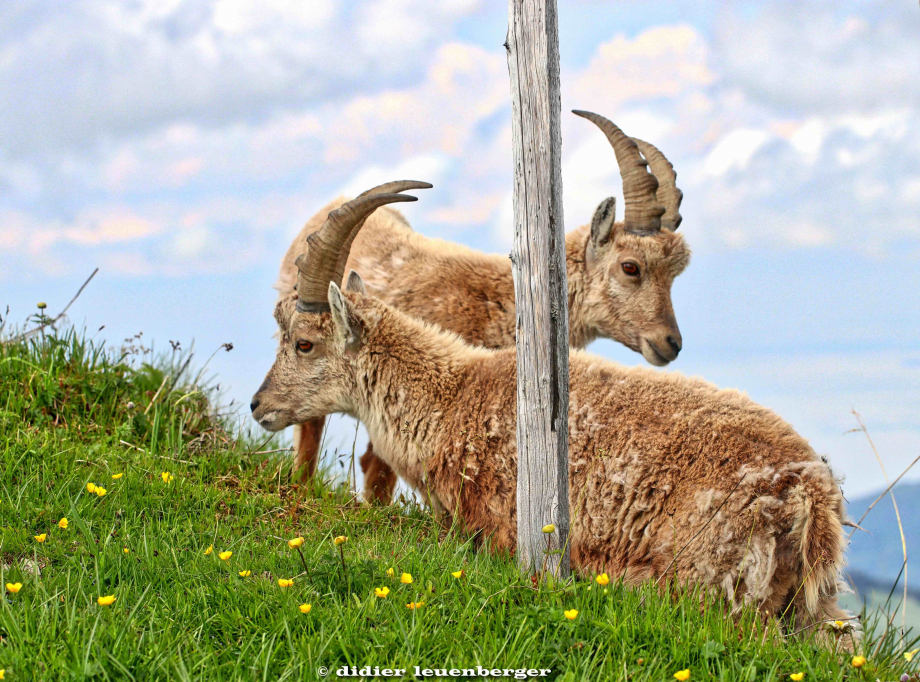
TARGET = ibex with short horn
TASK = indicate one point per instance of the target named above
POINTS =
(619, 278)
(670, 477)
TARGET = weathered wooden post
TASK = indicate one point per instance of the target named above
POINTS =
(540, 289)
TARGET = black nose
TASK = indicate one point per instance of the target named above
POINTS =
(675, 344)
(254, 404)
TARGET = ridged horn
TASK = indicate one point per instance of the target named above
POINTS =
(396, 187)
(643, 212)
(669, 194)
(327, 249)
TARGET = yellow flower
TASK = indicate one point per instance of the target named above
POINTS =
(391, 572)
(341, 540)
(838, 624)
(457, 574)
(167, 477)
(41, 538)
(101, 491)
(295, 543)
(603, 579)
(106, 601)
(63, 523)
(284, 582)
(382, 592)
(245, 574)
(209, 550)
(549, 528)
(305, 608)
(412, 605)
(126, 550)
(2, 673)
(115, 477)
(90, 487)
(858, 661)
(796, 677)
(909, 655)
(225, 555)
(571, 614)
(406, 579)
(14, 587)
(682, 675)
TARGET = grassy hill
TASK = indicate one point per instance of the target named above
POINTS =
(191, 535)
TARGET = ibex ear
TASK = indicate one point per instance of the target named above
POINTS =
(355, 283)
(602, 223)
(348, 326)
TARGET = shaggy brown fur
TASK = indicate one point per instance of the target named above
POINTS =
(652, 455)
(472, 293)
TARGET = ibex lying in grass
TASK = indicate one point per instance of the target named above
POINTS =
(653, 457)
(619, 278)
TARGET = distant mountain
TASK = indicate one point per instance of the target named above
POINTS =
(866, 585)
(878, 555)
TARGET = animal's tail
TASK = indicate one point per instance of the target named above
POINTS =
(817, 525)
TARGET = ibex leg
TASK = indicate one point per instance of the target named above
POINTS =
(379, 478)
(307, 437)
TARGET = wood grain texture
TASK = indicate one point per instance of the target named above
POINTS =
(540, 289)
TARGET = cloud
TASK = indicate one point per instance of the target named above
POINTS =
(734, 151)
(84, 73)
(821, 57)
(93, 227)
(665, 61)
(831, 181)
(200, 170)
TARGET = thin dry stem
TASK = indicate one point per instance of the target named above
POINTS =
(51, 321)
(897, 513)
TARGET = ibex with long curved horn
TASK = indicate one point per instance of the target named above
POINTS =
(619, 278)
(670, 476)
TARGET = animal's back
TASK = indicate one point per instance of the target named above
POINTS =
(653, 457)
(459, 289)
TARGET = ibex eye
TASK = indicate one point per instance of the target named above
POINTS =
(304, 346)
(631, 269)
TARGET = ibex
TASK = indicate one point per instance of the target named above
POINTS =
(670, 477)
(619, 279)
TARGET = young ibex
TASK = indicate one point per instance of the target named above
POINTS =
(656, 460)
(619, 279)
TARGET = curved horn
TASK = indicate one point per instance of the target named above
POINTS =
(396, 187)
(643, 212)
(668, 193)
(324, 261)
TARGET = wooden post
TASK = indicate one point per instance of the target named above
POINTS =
(540, 289)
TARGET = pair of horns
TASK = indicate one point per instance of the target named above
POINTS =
(328, 247)
(652, 199)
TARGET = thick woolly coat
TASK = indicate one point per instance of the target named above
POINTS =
(652, 458)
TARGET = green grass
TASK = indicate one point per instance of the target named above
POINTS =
(73, 413)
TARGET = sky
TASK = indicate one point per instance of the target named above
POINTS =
(180, 145)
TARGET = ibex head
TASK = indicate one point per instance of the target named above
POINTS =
(629, 267)
(318, 328)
